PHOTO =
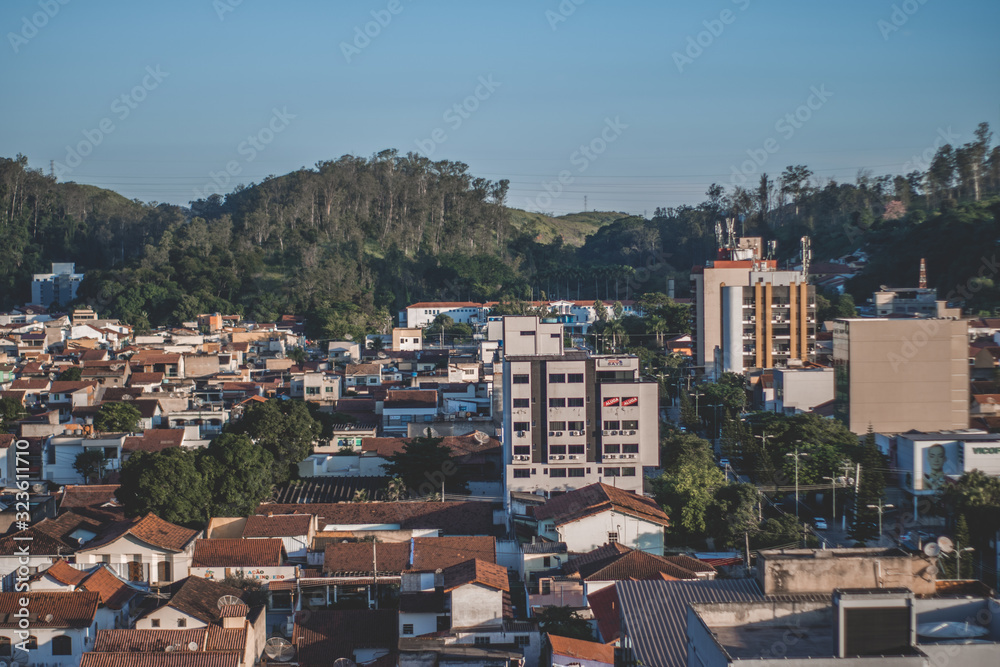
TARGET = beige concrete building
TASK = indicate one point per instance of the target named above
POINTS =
(899, 375)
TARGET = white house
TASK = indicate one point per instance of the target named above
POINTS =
(296, 531)
(363, 375)
(61, 452)
(263, 559)
(61, 625)
(420, 315)
(466, 595)
(344, 350)
(193, 603)
(598, 514)
(145, 549)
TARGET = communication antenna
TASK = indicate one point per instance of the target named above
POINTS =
(480, 437)
(946, 545)
(931, 549)
(718, 235)
(731, 232)
(227, 600)
(806, 255)
(280, 649)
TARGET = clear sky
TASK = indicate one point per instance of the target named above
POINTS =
(667, 96)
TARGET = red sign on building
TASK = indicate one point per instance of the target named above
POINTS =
(611, 401)
(630, 400)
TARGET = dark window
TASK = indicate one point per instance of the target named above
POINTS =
(553, 335)
(521, 473)
(482, 641)
(527, 333)
(575, 377)
(631, 448)
(574, 426)
(522, 640)
(612, 538)
(154, 622)
(556, 378)
(576, 449)
(611, 449)
(522, 450)
(163, 571)
(557, 472)
(522, 426)
(547, 561)
(628, 472)
(62, 645)
(557, 449)
(576, 472)
(612, 472)
(522, 402)
(521, 379)
(557, 426)
(182, 622)
(32, 644)
(574, 402)
(110, 453)
(4, 647)
(557, 402)
(611, 426)
(407, 628)
(630, 424)
(51, 454)
(443, 623)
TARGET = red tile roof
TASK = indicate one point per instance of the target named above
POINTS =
(113, 592)
(279, 525)
(64, 573)
(323, 636)
(582, 650)
(50, 609)
(451, 518)
(199, 597)
(597, 498)
(154, 440)
(428, 553)
(68, 387)
(152, 530)
(476, 571)
(226, 552)
(175, 659)
(607, 611)
(145, 378)
(94, 495)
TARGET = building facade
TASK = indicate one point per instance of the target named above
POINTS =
(57, 287)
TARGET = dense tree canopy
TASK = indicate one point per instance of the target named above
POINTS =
(285, 429)
(117, 418)
(167, 483)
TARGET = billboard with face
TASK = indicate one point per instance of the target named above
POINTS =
(939, 461)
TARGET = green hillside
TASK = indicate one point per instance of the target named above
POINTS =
(573, 227)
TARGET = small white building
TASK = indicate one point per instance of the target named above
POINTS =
(466, 595)
(263, 560)
(296, 531)
(146, 549)
(802, 389)
(61, 625)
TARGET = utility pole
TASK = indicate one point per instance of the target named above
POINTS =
(881, 508)
(797, 455)
(833, 484)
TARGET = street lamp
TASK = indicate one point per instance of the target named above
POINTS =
(958, 561)
(881, 508)
(715, 420)
(797, 455)
(833, 486)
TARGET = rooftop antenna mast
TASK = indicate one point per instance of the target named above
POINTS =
(923, 273)
(806, 255)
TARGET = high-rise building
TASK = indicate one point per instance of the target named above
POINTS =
(898, 375)
(57, 287)
(748, 314)
(571, 419)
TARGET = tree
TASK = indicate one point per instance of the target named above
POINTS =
(296, 354)
(89, 463)
(686, 489)
(117, 418)
(425, 465)
(733, 514)
(975, 496)
(283, 428)
(71, 374)
(564, 622)
(166, 483)
(10, 411)
(871, 488)
(254, 594)
(238, 474)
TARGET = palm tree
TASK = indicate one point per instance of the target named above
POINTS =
(396, 489)
(657, 325)
(618, 333)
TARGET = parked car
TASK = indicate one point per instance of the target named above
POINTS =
(820, 523)
(724, 463)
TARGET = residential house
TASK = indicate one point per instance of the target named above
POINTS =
(363, 375)
(117, 597)
(114, 373)
(36, 390)
(65, 396)
(146, 382)
(60, 626)
(260, 559)
(296, 531)
(344, 350)
(407, 339)
(465, 595)
(365, 636)
(145, 549)
(316, 387)
(599, 514)
(193, 602)
(568, 652)
(61, 452)
(405, 406)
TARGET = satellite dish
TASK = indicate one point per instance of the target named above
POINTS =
(344, 662)
(280, 649)
(946, 545)
(931, 570)
(931, 549)
(480, 437)
(193, 646)
(37, 488)
(228, 600)
(48, 618)
(170, 649)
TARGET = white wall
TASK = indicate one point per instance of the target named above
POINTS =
(592, 531)
(473, 605)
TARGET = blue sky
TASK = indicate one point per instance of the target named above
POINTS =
(675, 116)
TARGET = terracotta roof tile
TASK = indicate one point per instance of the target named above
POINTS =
(145, 378)
(200, 597)
(146, 641)
(476, 571)
(236, 552)
(154, 440)
(322, 636)
(579, 649)
(64, 573)
(51, 609)
(596, 498)
(234, 611)
(279, 525)
(113, 592)
(151, 529)
(94, 495)
(175, 659)
(606, 608)
(451, 518)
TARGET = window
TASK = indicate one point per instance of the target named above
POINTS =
(553, 335)
(4, 647)
(557, 472)
(443, 623)
(522, 426)
(547, 561)
(631, 448)
(576, 472)
(522, 640)
(611, 426)
(154, 622)
(482, 641)
(32, 644)
(557, 402)
(521, 473)
(612, 472)
(522, 402)
(611, 449)
(557, 449)
(182, 622)
(574, 426)
(62, 645)
(106, 559)
(574, 402)
(163, 571)
(527, 333)
(110, 452)
(51, 454)
(557, 426)
(407, 628)
(521, 379)
(522, 450)
(575, 378)
(557, 378)
(628, 472)
(612, 538)
(630, 424)
(576, 449)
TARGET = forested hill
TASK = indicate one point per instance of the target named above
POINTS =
(353, 240)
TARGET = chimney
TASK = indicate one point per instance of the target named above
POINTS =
(923, 273)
